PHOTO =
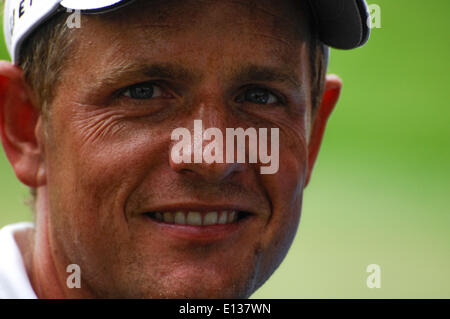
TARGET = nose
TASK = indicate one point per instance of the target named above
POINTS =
(198, 151)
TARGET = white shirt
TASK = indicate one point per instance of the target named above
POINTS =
(14, 281)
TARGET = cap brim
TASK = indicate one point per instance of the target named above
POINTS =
(343, 24)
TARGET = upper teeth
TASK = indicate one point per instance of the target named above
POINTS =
(197, 218)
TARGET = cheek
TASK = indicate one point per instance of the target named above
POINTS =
(102, 152)
(95, 177)
(285, 190)
(286, 186)
(96, 164)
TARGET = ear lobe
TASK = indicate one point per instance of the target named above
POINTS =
(19, 121)
(330, 97)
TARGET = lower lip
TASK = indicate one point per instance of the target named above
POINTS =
(199, 233)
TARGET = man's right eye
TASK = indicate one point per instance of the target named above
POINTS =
(143, 91)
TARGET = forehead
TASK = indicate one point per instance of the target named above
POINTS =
(206, 31)
(277, 15)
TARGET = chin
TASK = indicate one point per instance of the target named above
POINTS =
(190, 284)
(209, 285)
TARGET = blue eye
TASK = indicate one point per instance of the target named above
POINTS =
(258, 96)
(143, 91)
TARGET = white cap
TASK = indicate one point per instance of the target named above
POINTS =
(342, 24)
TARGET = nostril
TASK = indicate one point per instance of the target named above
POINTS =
(209, 172)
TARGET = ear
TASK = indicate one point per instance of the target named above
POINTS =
(20, 126)
(333, 85)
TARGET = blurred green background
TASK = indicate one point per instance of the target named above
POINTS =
(380, 193)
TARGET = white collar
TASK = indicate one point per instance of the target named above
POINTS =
(14, 281)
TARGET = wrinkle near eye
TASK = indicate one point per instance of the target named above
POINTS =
(97, 126)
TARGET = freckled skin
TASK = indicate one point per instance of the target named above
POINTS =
(107, 157)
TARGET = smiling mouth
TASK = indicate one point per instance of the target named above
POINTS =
(197, 218)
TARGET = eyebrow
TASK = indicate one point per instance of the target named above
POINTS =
(256, 73)
(249, 73)
(131, 71)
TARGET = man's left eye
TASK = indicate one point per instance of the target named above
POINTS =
(258, 96)
(143, 91)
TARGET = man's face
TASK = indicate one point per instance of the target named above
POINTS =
(135, 76)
